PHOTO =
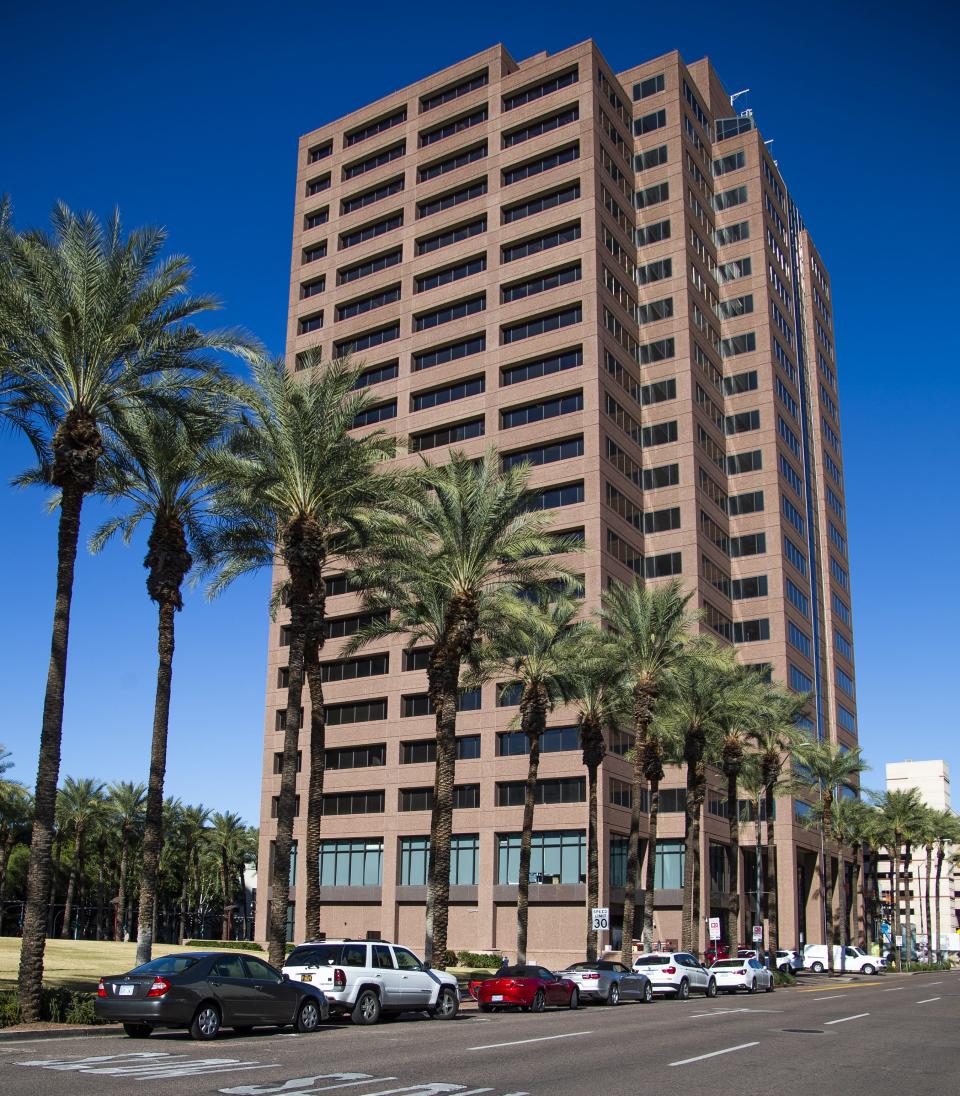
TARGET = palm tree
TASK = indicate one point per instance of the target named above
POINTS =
(82, 805)
(126, 805)
(533, 648)
(92, 325)
(445, 569)
(647, 629)
(826, 767)
(16, 816)
(156, 472)
(191, 835)
(295, 485)
(227, 838)
(898, 815)
(948, 833)
(777, 740)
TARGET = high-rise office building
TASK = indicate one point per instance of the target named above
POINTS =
(605, 275)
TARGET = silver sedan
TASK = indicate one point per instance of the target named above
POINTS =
(609, 982)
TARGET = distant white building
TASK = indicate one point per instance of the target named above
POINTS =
(932, 780)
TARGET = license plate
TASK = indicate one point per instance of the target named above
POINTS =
(126, 991)
(306, 977)
(496, 997)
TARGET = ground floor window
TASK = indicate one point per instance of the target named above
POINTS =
(559, 856)
(351, 863)
(415, 857)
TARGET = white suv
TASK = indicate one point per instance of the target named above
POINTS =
(367, 978)
(676, 972)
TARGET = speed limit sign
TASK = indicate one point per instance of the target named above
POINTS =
(600, 918)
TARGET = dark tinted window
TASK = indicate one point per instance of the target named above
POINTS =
(519, 972)
(167, 964)
(651, 960)
(228, 967)
(382, 959)
(260, 970)
(354, 955)
(325, 955)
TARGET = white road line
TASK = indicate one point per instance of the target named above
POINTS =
(832, 997)
(541, 1039)
(927, 1000)
(700, 1057)
(896, 989)
(935, 983)
(844, 1019)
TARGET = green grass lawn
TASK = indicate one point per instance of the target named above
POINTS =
(76, 964)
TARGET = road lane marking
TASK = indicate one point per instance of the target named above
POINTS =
(700, 1057)
(927, 1000)
(844, 1019)
(896, 989)
(935, 983)
(305, 1086)
(541, 1039)
(832, 997)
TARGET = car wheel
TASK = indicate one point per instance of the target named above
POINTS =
(574, 1001)
(683, 993)
(137, 1031)
(485, 1008)
(613, 994)
(447, 1006)
(647, 994)
(752, 987)
(206, 1022)
(770, 987)
(367, 1009)
(868, 968)
(308, 1016)
(712, 987)
(817, 968)
(536, 1005)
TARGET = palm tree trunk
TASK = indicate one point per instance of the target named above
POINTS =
(733, 860)
(318, 753)
(120, 929)
(650, 877)
(526, 839)
(927, 867)
(101, 883)
(9, 840)
(691, 867)
(225, 888)
(441, 826)
(773, 895)
(184, 903)
(941, 853)
(633, 853)
(895, 900)
(860, 916)
(593, 861)
(153, 828)
(830, 884)
(908, 904)
(68, 906)
(842, 910)
(40, 870)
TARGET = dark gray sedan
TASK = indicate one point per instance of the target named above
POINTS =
(610, 982)
(206, 990)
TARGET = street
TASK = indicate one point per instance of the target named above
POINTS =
(894, 1034)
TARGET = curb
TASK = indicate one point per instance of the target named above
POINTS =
(26, 1035)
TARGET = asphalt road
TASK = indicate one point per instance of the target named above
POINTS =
(892, 1034)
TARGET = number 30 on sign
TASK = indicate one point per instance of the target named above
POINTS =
(600, 918)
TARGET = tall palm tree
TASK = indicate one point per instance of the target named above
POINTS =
(82, 805)
(126, 805)
(227, 837)
(647, 629)
(826, 767)
(92, 325)
(157, 474)
(445, 570)
(948, 833)
(533, 650)
(295, 485)
(898, 815)
(191, 835)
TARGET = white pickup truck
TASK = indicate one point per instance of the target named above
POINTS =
(367, 978)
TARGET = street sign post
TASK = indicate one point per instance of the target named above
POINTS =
(758, 934)
(714, 924)
(600, 918)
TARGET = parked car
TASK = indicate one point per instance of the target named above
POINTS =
(204, 991)
(369, 978)
(748, 953)
(789, 961)
(748, 974)
(610, 982)
(716, 951)
(528, 987)
(479, 976)
(678, 973)
(855, 960)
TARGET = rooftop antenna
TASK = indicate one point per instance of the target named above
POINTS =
(737, 94)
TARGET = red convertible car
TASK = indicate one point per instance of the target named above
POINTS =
(528, 987)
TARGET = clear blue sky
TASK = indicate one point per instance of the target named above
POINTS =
(189, 114)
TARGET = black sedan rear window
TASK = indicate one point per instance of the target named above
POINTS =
(167, 964)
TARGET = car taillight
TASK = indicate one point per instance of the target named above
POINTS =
(339, 979)
(101, 989)
(669, 970)
(590, 977)
(159, 987)
(741, 972)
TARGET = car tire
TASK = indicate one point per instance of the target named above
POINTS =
(817, 968)
(613, 994)
(770, 987)
(683, 990)
(137, 1031)
(868, 968)
(206, 1022)
(447, 1006)
(752, 987)
(367, 1009)
(574, 1001)
(536, 1005)
(712, 988)
(485, 1008)
(309, 1016)
(648, 994)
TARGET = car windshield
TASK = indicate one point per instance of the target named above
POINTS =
(589, 966)
(651, 960)
(167, 964)
(520, 972)
(728, 963)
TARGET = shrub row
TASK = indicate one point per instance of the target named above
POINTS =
(224, 945)
(57, 1005)
(476, 959)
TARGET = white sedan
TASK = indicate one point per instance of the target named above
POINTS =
(748, 974)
